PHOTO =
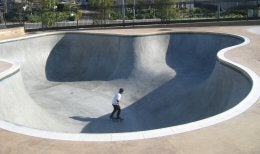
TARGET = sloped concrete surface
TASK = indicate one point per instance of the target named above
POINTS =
(216, 139)
(170, 79)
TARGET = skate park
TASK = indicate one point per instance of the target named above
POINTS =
(186, 76)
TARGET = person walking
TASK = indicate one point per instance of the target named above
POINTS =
(116, 104)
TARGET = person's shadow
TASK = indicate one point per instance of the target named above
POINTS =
(83, 119)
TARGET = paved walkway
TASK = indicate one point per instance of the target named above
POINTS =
(238, 135)
(11, 33)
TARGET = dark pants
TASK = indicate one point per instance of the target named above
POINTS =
(116, 108)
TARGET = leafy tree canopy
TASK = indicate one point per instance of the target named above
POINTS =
(102, 3)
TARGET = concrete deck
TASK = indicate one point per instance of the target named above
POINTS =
(11, 33)
(238, 135)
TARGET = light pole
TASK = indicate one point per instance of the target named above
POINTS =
(55, 12)
(24, 8)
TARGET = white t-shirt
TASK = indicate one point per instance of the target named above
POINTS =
(116, 99)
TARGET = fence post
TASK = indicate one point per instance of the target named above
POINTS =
(77, 17)
(42, 20)
(246, 11)
(4, 18)
(219, 7)
(134, 12)
(5, 11)
(190, 11)
(123, 11)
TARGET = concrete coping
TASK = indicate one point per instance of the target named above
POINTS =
(246, 103)
(10, 71)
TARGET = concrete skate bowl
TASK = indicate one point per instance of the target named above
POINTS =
(61, 85)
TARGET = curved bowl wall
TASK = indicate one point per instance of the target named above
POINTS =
(67, 81)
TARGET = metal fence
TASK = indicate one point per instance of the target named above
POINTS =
(135, 14)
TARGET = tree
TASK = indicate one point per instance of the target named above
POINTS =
(52, 12)
(48, 4)
(48, 15)
(166, 9)
(103, 9)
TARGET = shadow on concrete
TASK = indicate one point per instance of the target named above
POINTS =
(98, 58)
(83, 119)
(165, 30)
(195, 93)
